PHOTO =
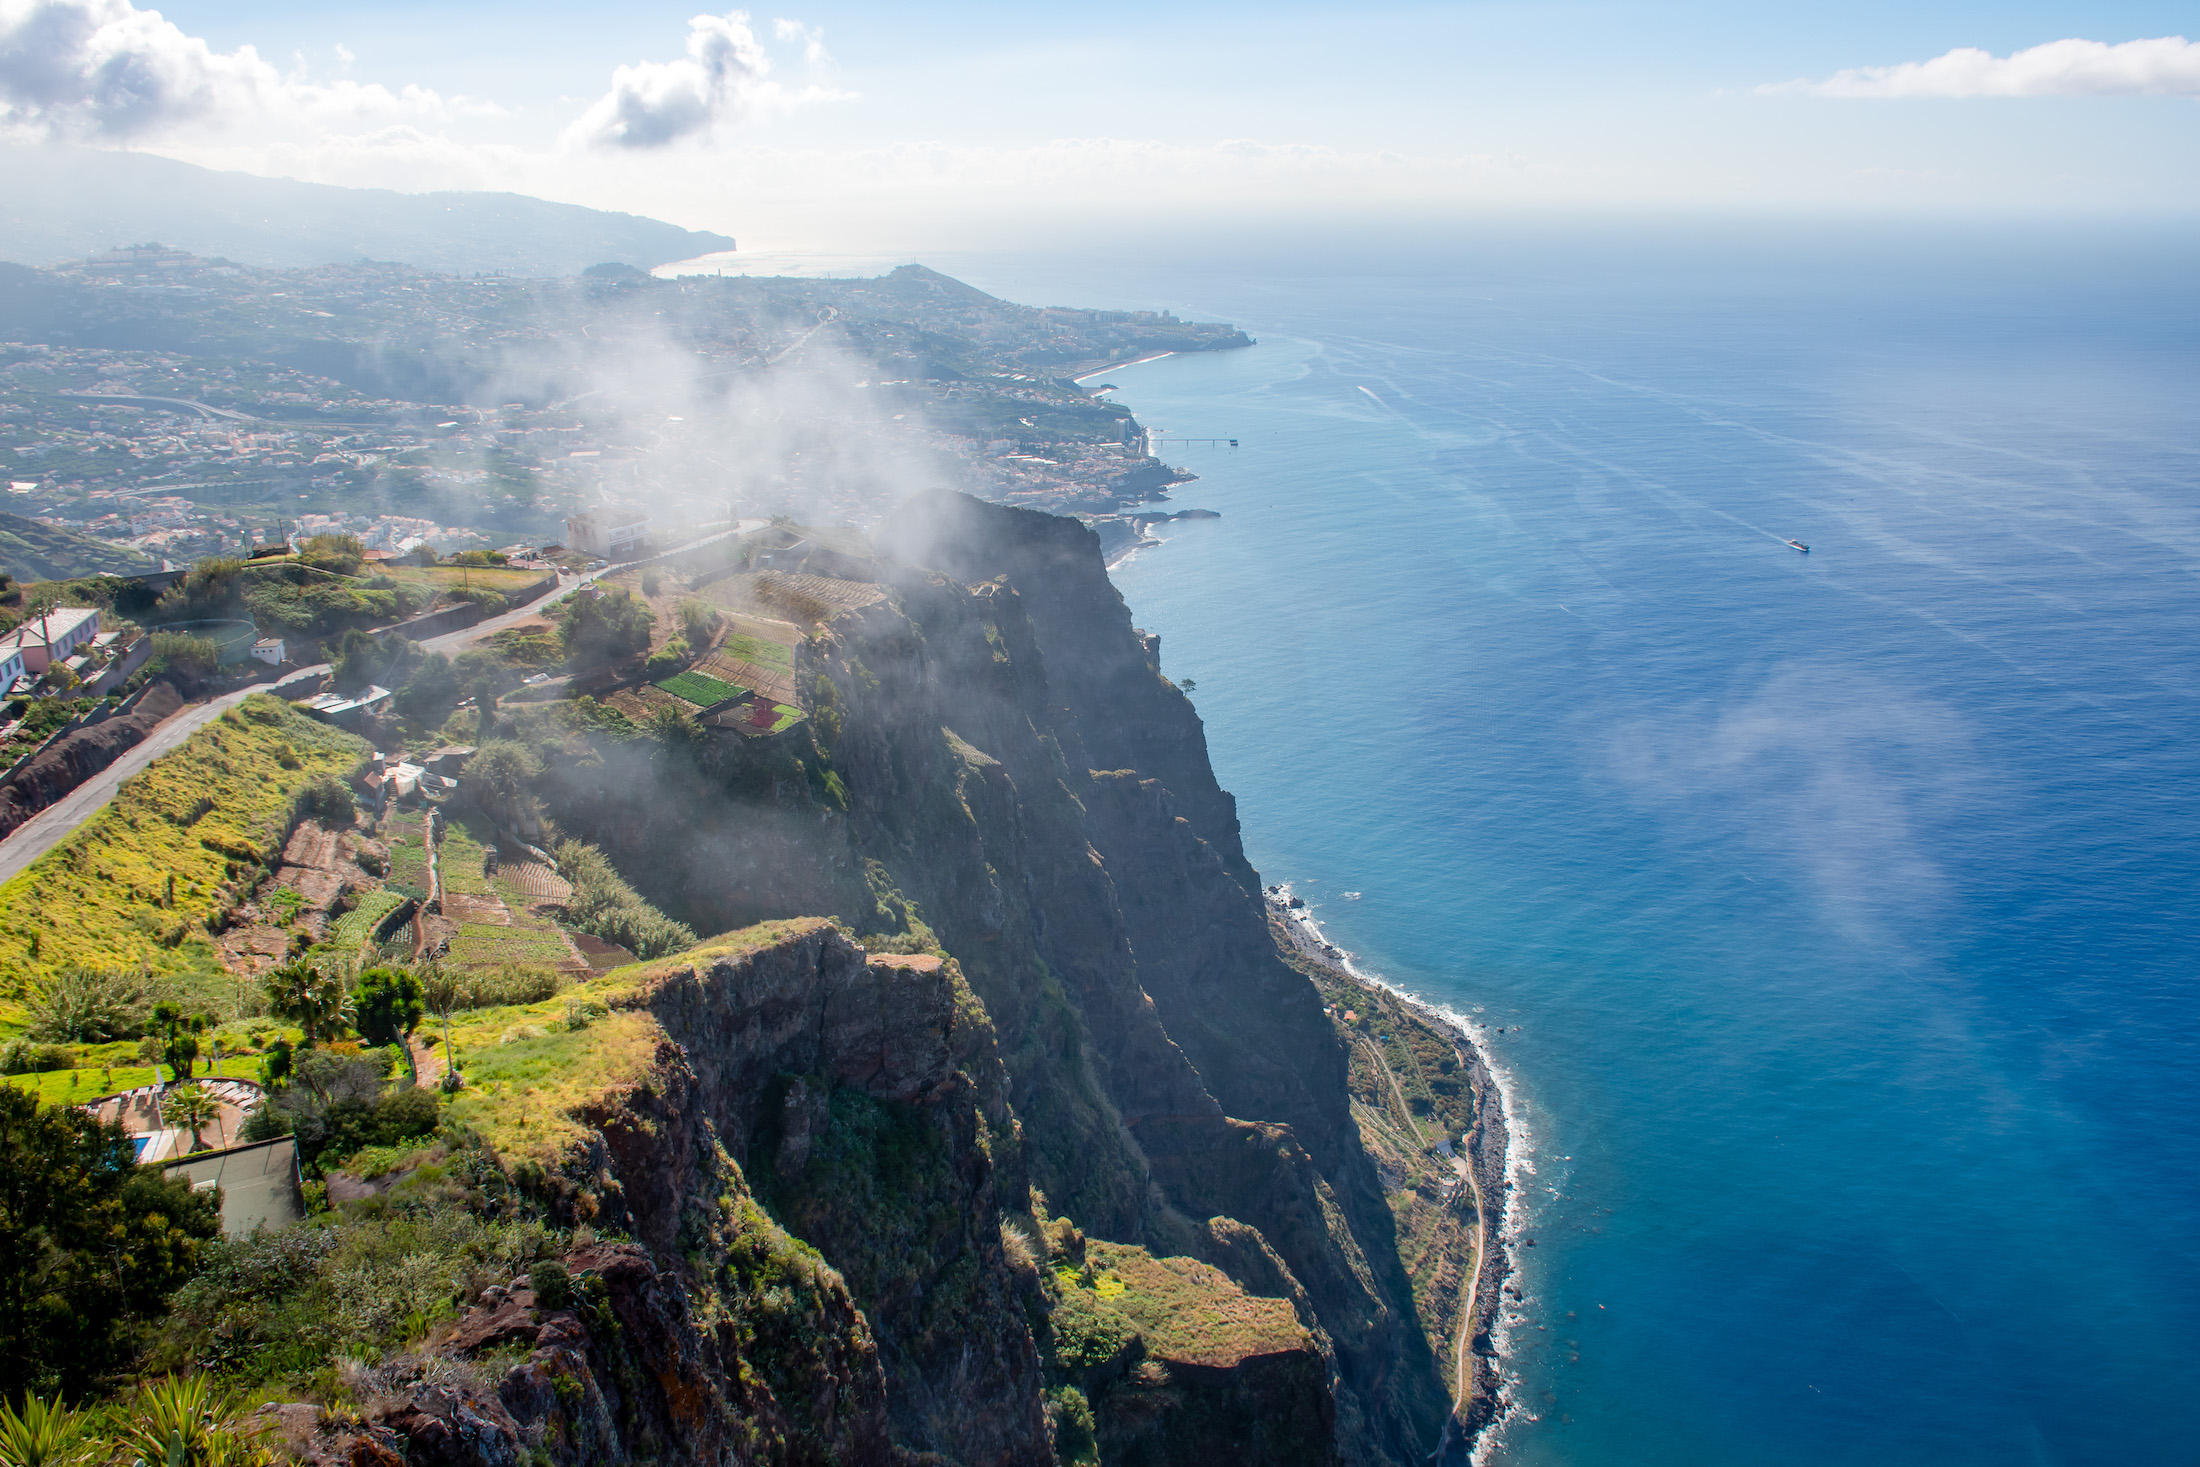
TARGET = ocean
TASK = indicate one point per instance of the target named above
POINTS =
(1833, 915)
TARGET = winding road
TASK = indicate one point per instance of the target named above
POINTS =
(43, 831)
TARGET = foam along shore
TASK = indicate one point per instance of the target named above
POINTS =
(1485, 1168)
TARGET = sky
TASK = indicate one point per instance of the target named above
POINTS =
(860, 126)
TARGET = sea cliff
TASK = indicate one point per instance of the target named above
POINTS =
(1003, 1126)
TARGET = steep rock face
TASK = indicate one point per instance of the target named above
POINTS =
(994, 763)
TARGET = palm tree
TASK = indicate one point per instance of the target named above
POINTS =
(190, 1107)
(319, 1001)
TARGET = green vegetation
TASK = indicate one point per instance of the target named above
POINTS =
(278, 1308)
(527, 1074)
(140, 879)
(701, 689)
(604, 906)
(1412, 1098)
(760, 650)
(388, 1001)
(90, 1246)
(1187, 1310)
(336, 1105)
(610, 627)
(358, 925)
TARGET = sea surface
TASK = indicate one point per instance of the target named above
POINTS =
(1836, 916)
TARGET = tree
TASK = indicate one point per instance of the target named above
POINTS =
(91, 1246)
(432, 688)
(439, 988)
(607, 628)
(190, 1107)
(319, 1003)
(698, 620)
(502, 769)
(179, 1035)
(359, 660)
(388, 1003)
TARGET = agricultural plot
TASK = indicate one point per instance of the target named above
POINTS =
(357, 925)
(488, 919)
(756, 653)
(701, 689)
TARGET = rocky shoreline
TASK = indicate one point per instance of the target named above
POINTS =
(1479, 1387)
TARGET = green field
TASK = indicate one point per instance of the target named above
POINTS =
(89, 1082)
(764, 653)
(700, 688)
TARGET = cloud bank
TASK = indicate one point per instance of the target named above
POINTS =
(2167, 66)
(105, 71)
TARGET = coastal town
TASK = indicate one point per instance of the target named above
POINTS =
(171, 407)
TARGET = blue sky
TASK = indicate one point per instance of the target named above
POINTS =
(865, 126)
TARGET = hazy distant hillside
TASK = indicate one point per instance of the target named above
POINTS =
(30, 551)
(65, 203)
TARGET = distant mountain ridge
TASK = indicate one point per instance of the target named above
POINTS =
(67, 203)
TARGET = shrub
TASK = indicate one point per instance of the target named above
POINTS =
(22, 1058)
(328, 800)
(553, 1286)
(199, 656)
(84, 1007)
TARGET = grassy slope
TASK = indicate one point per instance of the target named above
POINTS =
(220, 803)
(30, 551)
(1189, 1311)
(527, 1071)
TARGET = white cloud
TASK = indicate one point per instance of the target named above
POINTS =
(106, 71)
(2167, 66)
(654, 103)
(812, 39)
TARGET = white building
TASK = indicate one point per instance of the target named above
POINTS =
(269, 650)
(615, 532)
(43, 640)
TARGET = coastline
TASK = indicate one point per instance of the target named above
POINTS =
(1478, 1382)
(1119, 366)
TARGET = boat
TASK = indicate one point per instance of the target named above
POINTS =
(1799, 545)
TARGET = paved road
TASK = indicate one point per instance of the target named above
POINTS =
(39, 834)
(43, 831)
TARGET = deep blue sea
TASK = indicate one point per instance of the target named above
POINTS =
(1840, 911)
